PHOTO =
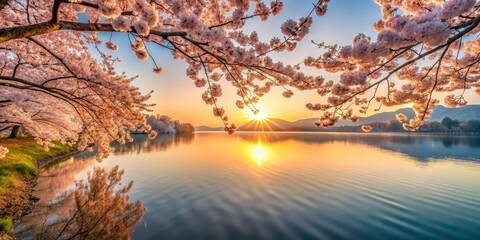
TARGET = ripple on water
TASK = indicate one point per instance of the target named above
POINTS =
(308, 186)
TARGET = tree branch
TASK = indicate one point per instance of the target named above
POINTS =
(25, 31)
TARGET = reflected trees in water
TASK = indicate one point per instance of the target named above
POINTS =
(162, 142)
(99, 208)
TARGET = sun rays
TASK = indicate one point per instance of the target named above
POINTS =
(261, 115)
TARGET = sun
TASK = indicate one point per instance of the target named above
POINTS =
(259, 116)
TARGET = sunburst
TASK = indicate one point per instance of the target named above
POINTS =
(260, 116)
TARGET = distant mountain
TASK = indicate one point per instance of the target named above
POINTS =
(462, 114)
(379, 117)
(205, 128)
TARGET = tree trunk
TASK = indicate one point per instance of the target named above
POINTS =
(15, 132)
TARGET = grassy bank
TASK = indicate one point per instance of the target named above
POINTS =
(20, 162)
(17, 170)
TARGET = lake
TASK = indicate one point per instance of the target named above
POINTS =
(293, 185)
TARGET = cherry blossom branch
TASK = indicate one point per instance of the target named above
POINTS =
(26, 31)
(245, 18)
(435, 82)
(473, 25)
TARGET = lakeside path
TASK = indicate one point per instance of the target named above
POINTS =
(18, 175)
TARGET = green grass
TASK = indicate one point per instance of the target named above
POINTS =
(6, 226)
(20, 162)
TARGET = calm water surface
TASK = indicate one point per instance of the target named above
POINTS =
(295, 185)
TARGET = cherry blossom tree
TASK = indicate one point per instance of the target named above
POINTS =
(65, 94)
(422, 48)
(165, 124)
(53, 87)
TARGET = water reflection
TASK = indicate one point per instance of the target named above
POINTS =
(421, 147)
(141, 143)
(259, 152)
(295, 185)
(59, 195)
(98, 208)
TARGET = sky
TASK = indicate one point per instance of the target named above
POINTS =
(175, 94)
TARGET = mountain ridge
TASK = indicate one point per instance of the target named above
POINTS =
(462, 114)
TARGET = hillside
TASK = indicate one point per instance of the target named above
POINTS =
(462, 114)
(206, 128)
(379, 117)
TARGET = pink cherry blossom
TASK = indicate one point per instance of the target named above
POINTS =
(112, 46)
(142, 54)
(158, 70)
(401, 117)
(367, 128)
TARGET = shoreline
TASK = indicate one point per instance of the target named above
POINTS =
(19, 199)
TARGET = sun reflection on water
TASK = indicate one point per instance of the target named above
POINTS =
(259, 152)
